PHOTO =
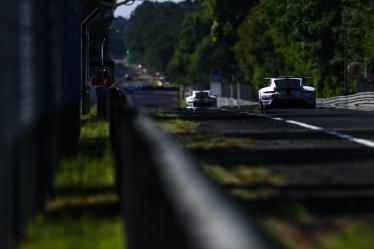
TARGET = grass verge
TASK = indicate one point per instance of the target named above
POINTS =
(313, 232)
(85, 232)
(83, 211)
(176, 126)
(220, 142)
(244, 175)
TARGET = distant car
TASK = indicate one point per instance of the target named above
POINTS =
(287, 92)
(202, 98)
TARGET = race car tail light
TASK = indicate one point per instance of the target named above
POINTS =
(273, 91)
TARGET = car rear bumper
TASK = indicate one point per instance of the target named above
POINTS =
(204, 104)
(289, 102)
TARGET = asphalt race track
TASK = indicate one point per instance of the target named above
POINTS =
(359, 124)
(324, 171)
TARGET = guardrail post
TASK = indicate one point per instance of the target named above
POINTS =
(238, 95)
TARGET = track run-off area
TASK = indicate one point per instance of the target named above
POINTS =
(306, 175)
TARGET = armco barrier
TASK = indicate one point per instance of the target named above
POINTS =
(167, 201)
(359, 101)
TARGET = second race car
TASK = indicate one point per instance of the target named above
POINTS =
(202, 98)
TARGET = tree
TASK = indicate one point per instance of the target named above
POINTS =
(153, 30)
(227, 15)
(184, 64)
(297, 37)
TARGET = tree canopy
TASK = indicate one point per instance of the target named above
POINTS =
(307, 38)
(152, 31)
(253, 39)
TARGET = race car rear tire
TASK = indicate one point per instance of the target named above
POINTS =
(312, 106)
(260, 105)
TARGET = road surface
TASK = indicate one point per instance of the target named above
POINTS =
(324, 156)
(355, 126)
(324, 153)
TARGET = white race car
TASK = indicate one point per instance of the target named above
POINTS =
(287, 92)
(202, 98)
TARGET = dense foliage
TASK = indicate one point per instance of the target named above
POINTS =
(305, 37)
(253, 39)
(153, 29)
(117, 29)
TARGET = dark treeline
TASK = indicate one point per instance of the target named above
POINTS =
(153, 29)
(253, 39)
(117, 29)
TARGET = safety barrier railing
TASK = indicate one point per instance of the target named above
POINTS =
(358, 101)
(167, 201)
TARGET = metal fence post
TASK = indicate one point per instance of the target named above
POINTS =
(8, 114)
(85, 60)
(238, 95)
(39, 103)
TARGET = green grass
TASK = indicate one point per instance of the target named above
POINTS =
(354, 234)
(218, 142)
(95, 129)
(244, 175)
(92, 166)
(85, 232)
(82, 211)
(86, 171)
(92, 127)
(176, 126)
(311, 232)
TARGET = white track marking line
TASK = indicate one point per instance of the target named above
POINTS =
(361, 141)
(311, 127)
(278, 119)
(350, 138)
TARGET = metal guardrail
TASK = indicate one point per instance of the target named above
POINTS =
(231, 95)
(358, 101)
(167, 201)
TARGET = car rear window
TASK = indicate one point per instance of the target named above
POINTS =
(288, 83)
(202, 95)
